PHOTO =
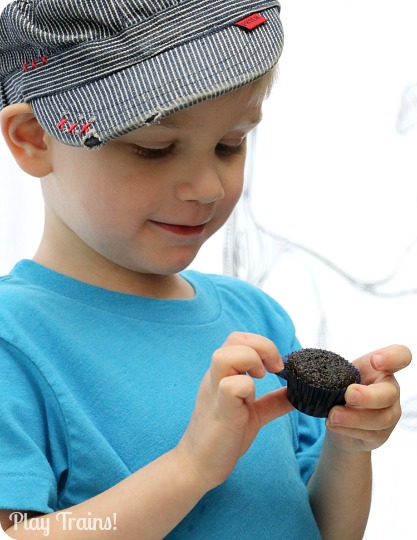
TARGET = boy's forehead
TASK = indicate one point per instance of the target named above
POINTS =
(236, 105)
(237, 118)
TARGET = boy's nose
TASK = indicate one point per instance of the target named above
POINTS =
(202, 185)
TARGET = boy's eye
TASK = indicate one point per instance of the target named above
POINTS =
(222, 149)
(153, 153)
(230, 150)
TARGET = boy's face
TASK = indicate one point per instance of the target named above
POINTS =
(148, 201)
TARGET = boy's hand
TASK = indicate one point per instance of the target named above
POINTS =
(227, 415)
(372, 408)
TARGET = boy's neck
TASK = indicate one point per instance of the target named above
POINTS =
(122, 280)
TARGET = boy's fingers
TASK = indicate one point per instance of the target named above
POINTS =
(265, 348)
(374, 396)
(234, 360)
(364, 419)
(273, 405)
(267, 407)
(389, 359)
(230, 388)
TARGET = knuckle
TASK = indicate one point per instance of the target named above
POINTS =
(390, 417)
(217, 355)
(396, 393)
(238, 383)
(238, 338)
(224, 385)
(218, 358)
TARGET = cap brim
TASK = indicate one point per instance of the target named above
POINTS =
(161, 85)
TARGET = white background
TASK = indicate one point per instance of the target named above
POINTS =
(332, 173)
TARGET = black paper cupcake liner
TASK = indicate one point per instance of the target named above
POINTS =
(310, 399)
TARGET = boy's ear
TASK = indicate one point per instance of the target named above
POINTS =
(26, 139)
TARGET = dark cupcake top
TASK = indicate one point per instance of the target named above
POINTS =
(322, 369)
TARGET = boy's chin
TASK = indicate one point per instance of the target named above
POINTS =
(175, 268)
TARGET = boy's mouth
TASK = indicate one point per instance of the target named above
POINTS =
(182, 230)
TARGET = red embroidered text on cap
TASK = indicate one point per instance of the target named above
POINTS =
(252, 22)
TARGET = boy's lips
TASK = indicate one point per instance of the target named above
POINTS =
(182, 230)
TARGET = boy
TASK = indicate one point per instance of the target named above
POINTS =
(128, 394)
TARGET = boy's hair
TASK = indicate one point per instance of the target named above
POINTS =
(93, 71)
(263, 86)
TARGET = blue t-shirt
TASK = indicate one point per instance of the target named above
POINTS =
(96, 384)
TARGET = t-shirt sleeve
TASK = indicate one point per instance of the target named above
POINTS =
(308, 434)
(33, 455)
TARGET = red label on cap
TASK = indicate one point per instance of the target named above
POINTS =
(252, 22)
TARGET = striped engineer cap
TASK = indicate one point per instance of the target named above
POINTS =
(95, 70)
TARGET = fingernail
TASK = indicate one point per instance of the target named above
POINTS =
(354, 397)
(378, 360)
(335, 418)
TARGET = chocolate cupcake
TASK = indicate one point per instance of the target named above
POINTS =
(317, 380)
